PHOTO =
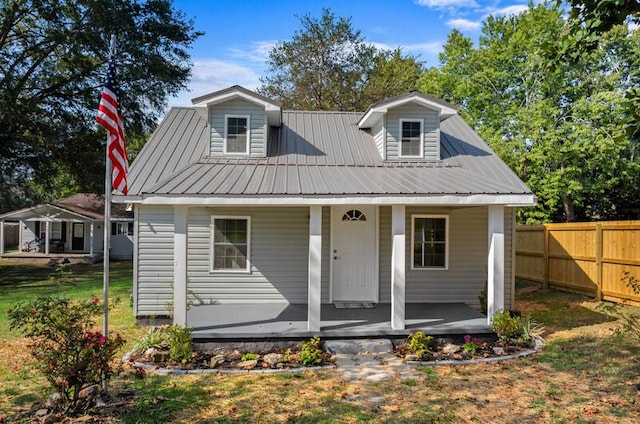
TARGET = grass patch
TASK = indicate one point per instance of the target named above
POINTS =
(585, 374)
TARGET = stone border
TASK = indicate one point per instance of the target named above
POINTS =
(216, 371)
(207, 371)
(537, 348)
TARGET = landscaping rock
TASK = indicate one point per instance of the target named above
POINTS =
(353, 398)
(247, 365)
(498, 350)
(450, 349)
(155, 355)
(54, 400)
(50, 419)
(272, 359)
(412, 358)
(42, 412)
(216, 361)
(88, 392)
(376, 399)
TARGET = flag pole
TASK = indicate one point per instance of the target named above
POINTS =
(107, 229)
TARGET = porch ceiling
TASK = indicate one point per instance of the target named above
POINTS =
(281, 320)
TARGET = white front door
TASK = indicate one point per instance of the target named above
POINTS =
(353, 253)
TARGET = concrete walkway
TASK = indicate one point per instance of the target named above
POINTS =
(368, 360)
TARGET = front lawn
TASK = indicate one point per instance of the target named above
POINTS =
(585, 374)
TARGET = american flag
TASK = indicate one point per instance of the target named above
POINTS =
(110, 118)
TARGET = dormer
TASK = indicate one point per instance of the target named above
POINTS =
(407, 127)
(239, 120)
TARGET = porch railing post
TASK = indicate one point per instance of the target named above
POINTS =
(315, 268)
(398, 267)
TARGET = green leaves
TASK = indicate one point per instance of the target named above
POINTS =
(327, 65)
(558, 123)
(52, 69)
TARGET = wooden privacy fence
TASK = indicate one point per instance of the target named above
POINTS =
(589, 258)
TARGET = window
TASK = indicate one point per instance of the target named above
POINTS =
(237, 135)
(354, 215)
(429, 235)
(411, 138)
(122, 228)
(56, 230)
(230, 250)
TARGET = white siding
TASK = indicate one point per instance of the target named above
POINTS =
(385, 254)
(279, 258)
(155, 260)
(378, 136)
(257, 126)
(465, 278)
(509, 278)
(431, 130)
(326, 254)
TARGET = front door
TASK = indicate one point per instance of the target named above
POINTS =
(77, 236)
(353, 253)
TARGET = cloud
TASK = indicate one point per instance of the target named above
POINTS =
(464, 24)
(429, 47)
(447, 4)
(258, 51)
(515, 9)
(210, 74)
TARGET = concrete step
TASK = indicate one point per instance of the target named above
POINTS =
(354, 347)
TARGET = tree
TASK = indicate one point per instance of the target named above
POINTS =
(559, 125)
(328, 66)
(51, 73)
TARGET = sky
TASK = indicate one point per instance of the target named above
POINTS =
(240, 33)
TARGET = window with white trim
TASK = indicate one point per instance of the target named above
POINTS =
(429, 240)
(236, 134)
(411, 138)
(122, 228)
(230, 244)
(56, 230)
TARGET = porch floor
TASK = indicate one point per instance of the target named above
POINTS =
(281, 320)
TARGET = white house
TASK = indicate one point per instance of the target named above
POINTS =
(247, 216)
(70, 226)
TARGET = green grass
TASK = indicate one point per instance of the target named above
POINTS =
(585, 373)
(23, 281)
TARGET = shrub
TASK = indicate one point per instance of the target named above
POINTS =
(419, 343)
(530, 329)
(505, 326)
(311, 352)
(179, 343)
(249, 357)
(155, 337)
(68, 352)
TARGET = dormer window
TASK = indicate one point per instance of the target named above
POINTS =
(411, 138)
(237, 135)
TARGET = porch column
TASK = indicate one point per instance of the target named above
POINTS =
(495, 264)
(315, 267)
(397, 266)
(47, 228)
(180, 220)
(1, 237)
(21, 224)
(91, 238)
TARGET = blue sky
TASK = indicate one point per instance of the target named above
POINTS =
(239, 34)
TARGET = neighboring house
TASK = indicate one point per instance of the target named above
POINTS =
(73, 225)
(238, 202)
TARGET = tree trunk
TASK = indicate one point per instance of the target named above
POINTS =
(569, 213)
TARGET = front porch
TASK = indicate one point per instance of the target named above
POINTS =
(72, 257)
(281, 320)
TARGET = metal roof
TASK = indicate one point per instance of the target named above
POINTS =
(315, 153)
